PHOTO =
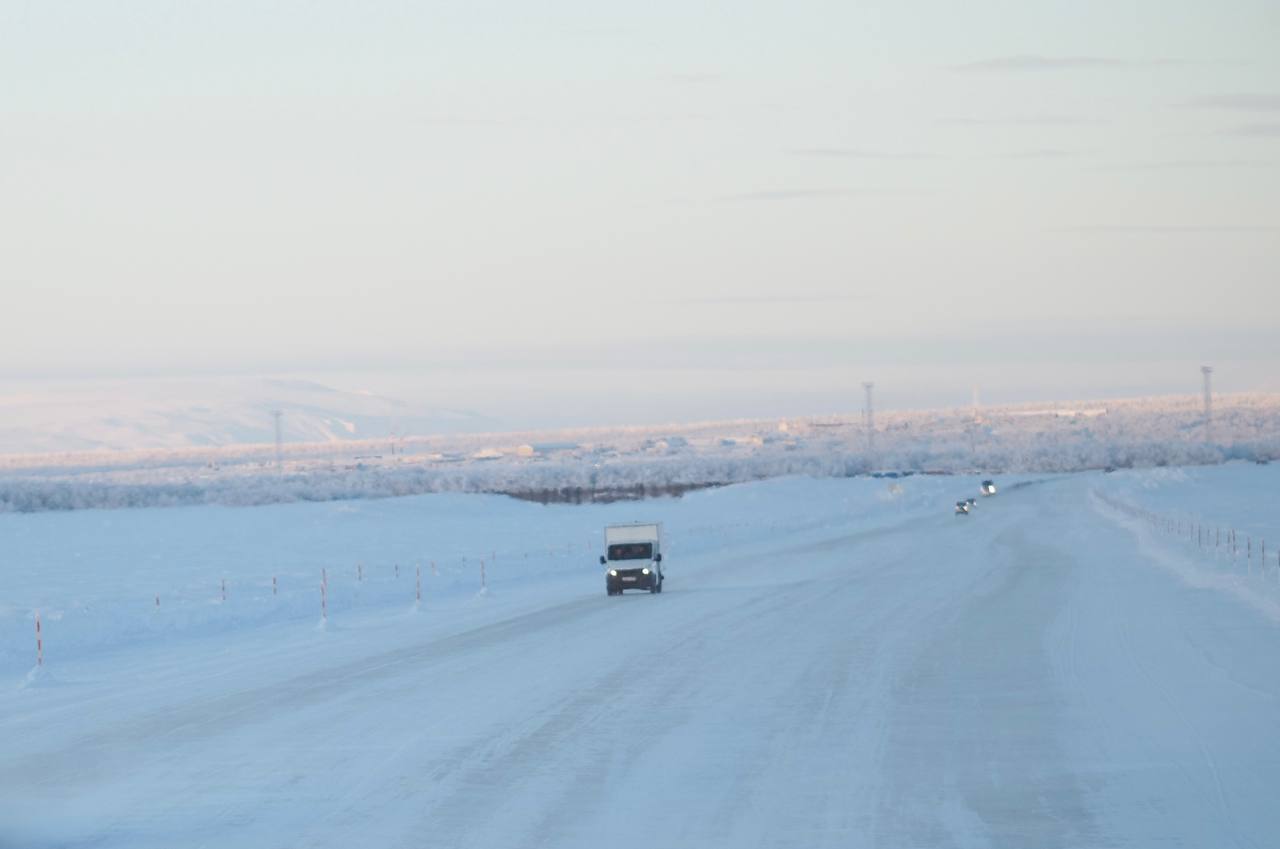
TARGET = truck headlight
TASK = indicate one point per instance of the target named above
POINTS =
(613, 572)
(644, 571)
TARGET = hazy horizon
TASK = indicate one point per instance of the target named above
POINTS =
(182, 412)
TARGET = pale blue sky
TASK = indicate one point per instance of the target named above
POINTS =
(1041, 198)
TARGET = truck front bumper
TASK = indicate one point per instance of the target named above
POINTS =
(630, 581)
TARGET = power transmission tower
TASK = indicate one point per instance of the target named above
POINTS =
(1208, 403)
(276, 414)
(871, 420)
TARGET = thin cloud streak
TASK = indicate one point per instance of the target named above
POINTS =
(1171, 228)
(1046, 153)
(1240, 102)
(747, 300)
(796, 194)
(1034, 63)
(1256, 131)
(694, 78)
(1024, 121)
(1189, 164)
(857, 153)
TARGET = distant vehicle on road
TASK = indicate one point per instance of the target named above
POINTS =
(988, 488)
(633, 558)
(962, 508)
(972, 502)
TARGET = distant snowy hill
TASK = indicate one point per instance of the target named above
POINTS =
(174, 414)
(350, 445)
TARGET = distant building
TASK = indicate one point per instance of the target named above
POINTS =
(540, 449)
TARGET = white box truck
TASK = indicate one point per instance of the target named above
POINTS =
(632, 558)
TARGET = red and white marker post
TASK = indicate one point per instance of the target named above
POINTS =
(39, 642)
(417, 591)
(483, 587)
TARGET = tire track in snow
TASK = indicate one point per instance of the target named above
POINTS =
(974, 757)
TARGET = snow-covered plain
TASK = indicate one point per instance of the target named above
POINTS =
(836, 662)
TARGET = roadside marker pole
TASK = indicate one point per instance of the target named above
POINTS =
(275, 590)
(360, 572)
(324, 592)
(397, 570)
(157, 601)
(224, 589)
(483, 586)
(418, 591)
(434, 570)
(1248, 542)
(39, 642)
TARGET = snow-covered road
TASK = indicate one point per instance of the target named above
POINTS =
(1029, 676)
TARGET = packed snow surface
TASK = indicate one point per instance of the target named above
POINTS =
(834, 663)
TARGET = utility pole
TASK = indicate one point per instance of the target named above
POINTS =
(972, 428)
(1208, 404)
(276, 414)
(871, 420)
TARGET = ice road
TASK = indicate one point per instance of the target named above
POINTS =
(1047, 672)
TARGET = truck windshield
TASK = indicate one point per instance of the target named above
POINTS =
(631, 551)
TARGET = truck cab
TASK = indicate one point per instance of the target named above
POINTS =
(632, 558)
